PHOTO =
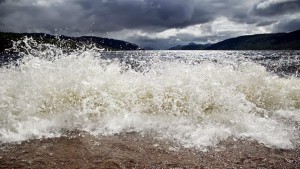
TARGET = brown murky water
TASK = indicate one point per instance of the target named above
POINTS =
(131, 150)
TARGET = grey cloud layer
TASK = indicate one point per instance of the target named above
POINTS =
(148, 16)
(288, 26)
(277, 8)
(112, 15)
(145, 14)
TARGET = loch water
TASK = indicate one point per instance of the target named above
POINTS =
(195, 98)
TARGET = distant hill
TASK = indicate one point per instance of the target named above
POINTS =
(178, 47)
(148, 48)
(65, 41)
(277, 41)
(190, 46)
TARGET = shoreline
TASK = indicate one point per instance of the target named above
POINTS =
(131, 150)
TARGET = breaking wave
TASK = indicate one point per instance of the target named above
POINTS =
(197, 104)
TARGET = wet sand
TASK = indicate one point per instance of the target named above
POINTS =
(133, 151)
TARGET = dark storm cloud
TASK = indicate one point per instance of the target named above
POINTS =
(81, 17)
(277, 8)
(105, 15)
(124, 14)
(265, 23)
(152, 15)
(288, 26)
(86, 16)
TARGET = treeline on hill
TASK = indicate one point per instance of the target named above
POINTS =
(65, 42)
(190, 46)
(277, 41)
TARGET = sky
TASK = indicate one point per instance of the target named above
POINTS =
(157, 24)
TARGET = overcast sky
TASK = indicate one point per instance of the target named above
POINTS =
(158, 24)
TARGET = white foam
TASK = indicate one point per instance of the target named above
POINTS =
(197, 105)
